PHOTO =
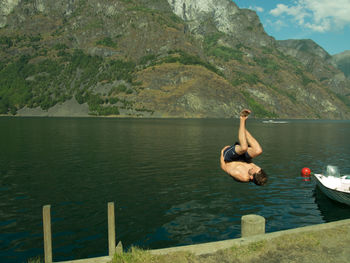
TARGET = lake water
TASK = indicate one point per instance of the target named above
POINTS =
(164, 177)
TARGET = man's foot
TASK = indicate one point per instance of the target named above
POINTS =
(245, 113)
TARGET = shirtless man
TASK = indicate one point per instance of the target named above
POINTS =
(236, 160)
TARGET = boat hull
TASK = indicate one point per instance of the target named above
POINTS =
(335, 195)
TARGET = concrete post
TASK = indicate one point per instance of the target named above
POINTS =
(252, 225)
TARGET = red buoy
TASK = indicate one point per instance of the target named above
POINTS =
(306, 173)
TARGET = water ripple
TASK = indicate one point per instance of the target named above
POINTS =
(164, 177)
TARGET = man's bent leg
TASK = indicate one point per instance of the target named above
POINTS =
(254, 148)
(243, 144)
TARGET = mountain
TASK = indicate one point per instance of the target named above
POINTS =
(342, 60)
(148, 58)
(318, 62)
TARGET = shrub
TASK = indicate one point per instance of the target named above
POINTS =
(104, 110)
(117, 89)
(60, 46)
(186, 59)
(268, 64)
(212, 39)
(113, 100)
(243, 77)
(35, 38)
(6, 41)
(108, 42)
(226, 53)
(4, 105)
(147, 58)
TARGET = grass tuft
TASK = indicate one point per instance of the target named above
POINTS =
(35, 260)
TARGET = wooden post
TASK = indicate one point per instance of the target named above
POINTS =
(252, 225)
(119, 248)
(111, 229)
(47, 233)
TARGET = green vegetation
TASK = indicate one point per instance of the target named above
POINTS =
(284, 93)
(40, 67)
(242, 77)
(137, 255)
(268, 64)
(49, 81)
(267, 50)
(19, 41)
(211, 40)
(320, 246)
(118, 89)
(151, 58)
(163, 18)
(35, 260)
(6, 41)
(226, 53)
(327, 245)
(304, 79)
(60, 46)
(108, 42)
(187, 59)
(344, 98)
(289, 59)
(100, 110)
(257, 108)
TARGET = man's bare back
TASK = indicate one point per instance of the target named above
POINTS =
(240, 171)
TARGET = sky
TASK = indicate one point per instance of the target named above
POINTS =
(327, 22)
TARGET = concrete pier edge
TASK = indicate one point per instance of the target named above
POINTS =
(212, 247)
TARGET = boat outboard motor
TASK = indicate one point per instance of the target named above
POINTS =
(332, 171)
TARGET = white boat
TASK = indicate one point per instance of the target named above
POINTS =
(336, 188)
(273, 121)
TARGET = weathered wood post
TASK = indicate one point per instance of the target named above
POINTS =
(47, 233)
(119, 248)
(111, 229)
(252, 225)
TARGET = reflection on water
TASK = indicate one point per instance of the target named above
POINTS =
(330, 210)
(163, 176)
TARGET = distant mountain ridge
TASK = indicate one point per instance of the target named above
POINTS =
(147, 58)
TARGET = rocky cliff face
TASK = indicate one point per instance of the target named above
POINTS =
(311, 55)
(175, 58)
(225, 16)
(318, 62)
(342, 60)
(6, 7)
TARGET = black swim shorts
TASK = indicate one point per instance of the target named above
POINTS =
(231, 156)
